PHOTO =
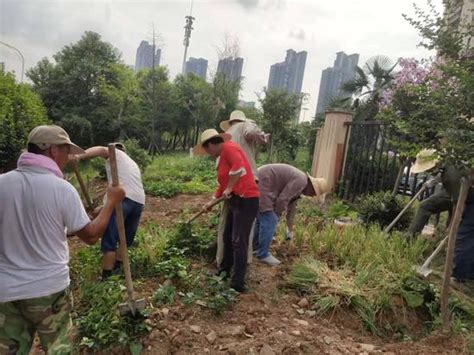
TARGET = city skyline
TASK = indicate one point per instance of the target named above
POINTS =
(231, 67)
(40, 29)
(197, 66)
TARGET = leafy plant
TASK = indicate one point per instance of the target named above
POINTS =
(164, 188)
(339, 209)
(382, 208)
(165, 295)
(100, 326)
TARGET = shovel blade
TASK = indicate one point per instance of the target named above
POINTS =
(423, 271)
(132, 306)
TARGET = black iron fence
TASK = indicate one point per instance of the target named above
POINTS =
(371, 164)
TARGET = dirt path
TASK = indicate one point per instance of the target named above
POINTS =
(267, 319)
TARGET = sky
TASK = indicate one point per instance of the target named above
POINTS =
(265, 29)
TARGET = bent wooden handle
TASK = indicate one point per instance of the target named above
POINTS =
(215, 202)
(121, 224)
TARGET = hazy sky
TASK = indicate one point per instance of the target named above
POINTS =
(265, 29)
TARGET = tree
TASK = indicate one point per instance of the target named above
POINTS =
(279, 110)
(75, 84)
(20, 111)
(368, 85)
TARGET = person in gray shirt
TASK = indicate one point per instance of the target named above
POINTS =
(280, 185)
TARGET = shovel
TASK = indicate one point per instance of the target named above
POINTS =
(424, 270)
(85, 193)
(213, 203)
(132, 305)
(426, 185)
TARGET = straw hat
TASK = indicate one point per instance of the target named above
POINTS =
(236, 115)
(320, 185)
(205, 136)
(426, 159)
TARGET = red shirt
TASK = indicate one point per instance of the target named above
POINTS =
(233, 160)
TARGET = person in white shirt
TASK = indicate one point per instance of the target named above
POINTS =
(131, 180)
(37, 206)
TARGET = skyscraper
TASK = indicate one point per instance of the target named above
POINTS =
(197, 66)
(459, 15)
(288, 75)
(231, 67)
(144, 58)
(333, 78)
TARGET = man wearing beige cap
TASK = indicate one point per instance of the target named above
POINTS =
(37, 207)
(281, 186)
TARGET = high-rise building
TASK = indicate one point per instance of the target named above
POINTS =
(231, 67)
(246, 104)
(332, 79)
(288, 75)
(459, 15)
(197, 66)
(144, 58)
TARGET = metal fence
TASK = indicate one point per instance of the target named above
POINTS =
(371, 164)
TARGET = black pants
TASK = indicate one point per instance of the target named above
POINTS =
(241, 215)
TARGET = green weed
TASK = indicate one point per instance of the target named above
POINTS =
(165, 295)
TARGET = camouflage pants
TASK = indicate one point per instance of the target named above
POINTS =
(49, 316)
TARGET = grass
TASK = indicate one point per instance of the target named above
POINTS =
(359, 268)
(170, 175)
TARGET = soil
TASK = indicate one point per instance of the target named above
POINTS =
(267, 319)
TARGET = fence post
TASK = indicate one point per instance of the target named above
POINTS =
(329, 149)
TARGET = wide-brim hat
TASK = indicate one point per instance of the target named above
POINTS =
(320, 185)
(236, 115)
(425, 160)
(205, 136)
(46, 135)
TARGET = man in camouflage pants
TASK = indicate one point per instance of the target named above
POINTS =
(36, 207)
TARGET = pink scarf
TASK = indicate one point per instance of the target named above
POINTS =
(31, 159)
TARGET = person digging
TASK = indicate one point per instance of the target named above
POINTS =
(248, 135)
(463, 270)
(130, 178)
(38, 207)
(437, 203)
(281, 186)
(237, 184)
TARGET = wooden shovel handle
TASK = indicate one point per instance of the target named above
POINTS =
(121, 224)
(215, 202)
(83, 186)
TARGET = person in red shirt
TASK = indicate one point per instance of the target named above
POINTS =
(237, 185)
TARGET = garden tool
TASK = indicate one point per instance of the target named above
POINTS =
(85, 193)
(132, 304)
(215, 202)
(424, 270)
(428, 184)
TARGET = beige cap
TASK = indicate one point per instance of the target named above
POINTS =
(45, 136)
(426, 159)
(205, 136)
(320, 185)
(236, 115)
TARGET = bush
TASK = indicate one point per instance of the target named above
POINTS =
(164, 188)
(339, 209)
(139, 155)
(79, 128)
(382, 208)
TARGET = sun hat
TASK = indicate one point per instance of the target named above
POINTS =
(205, 136)
(320, 185)
(426, 159)
(236, 115)
(47, 135)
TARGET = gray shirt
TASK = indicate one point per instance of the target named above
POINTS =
(280, 187)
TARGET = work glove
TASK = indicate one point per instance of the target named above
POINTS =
(289, 235)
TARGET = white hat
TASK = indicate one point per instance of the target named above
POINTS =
(47, 135)
(236, 115)
(320, 185)
(205, 136)
(426, 159)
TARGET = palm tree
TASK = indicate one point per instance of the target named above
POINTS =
(368, 85)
